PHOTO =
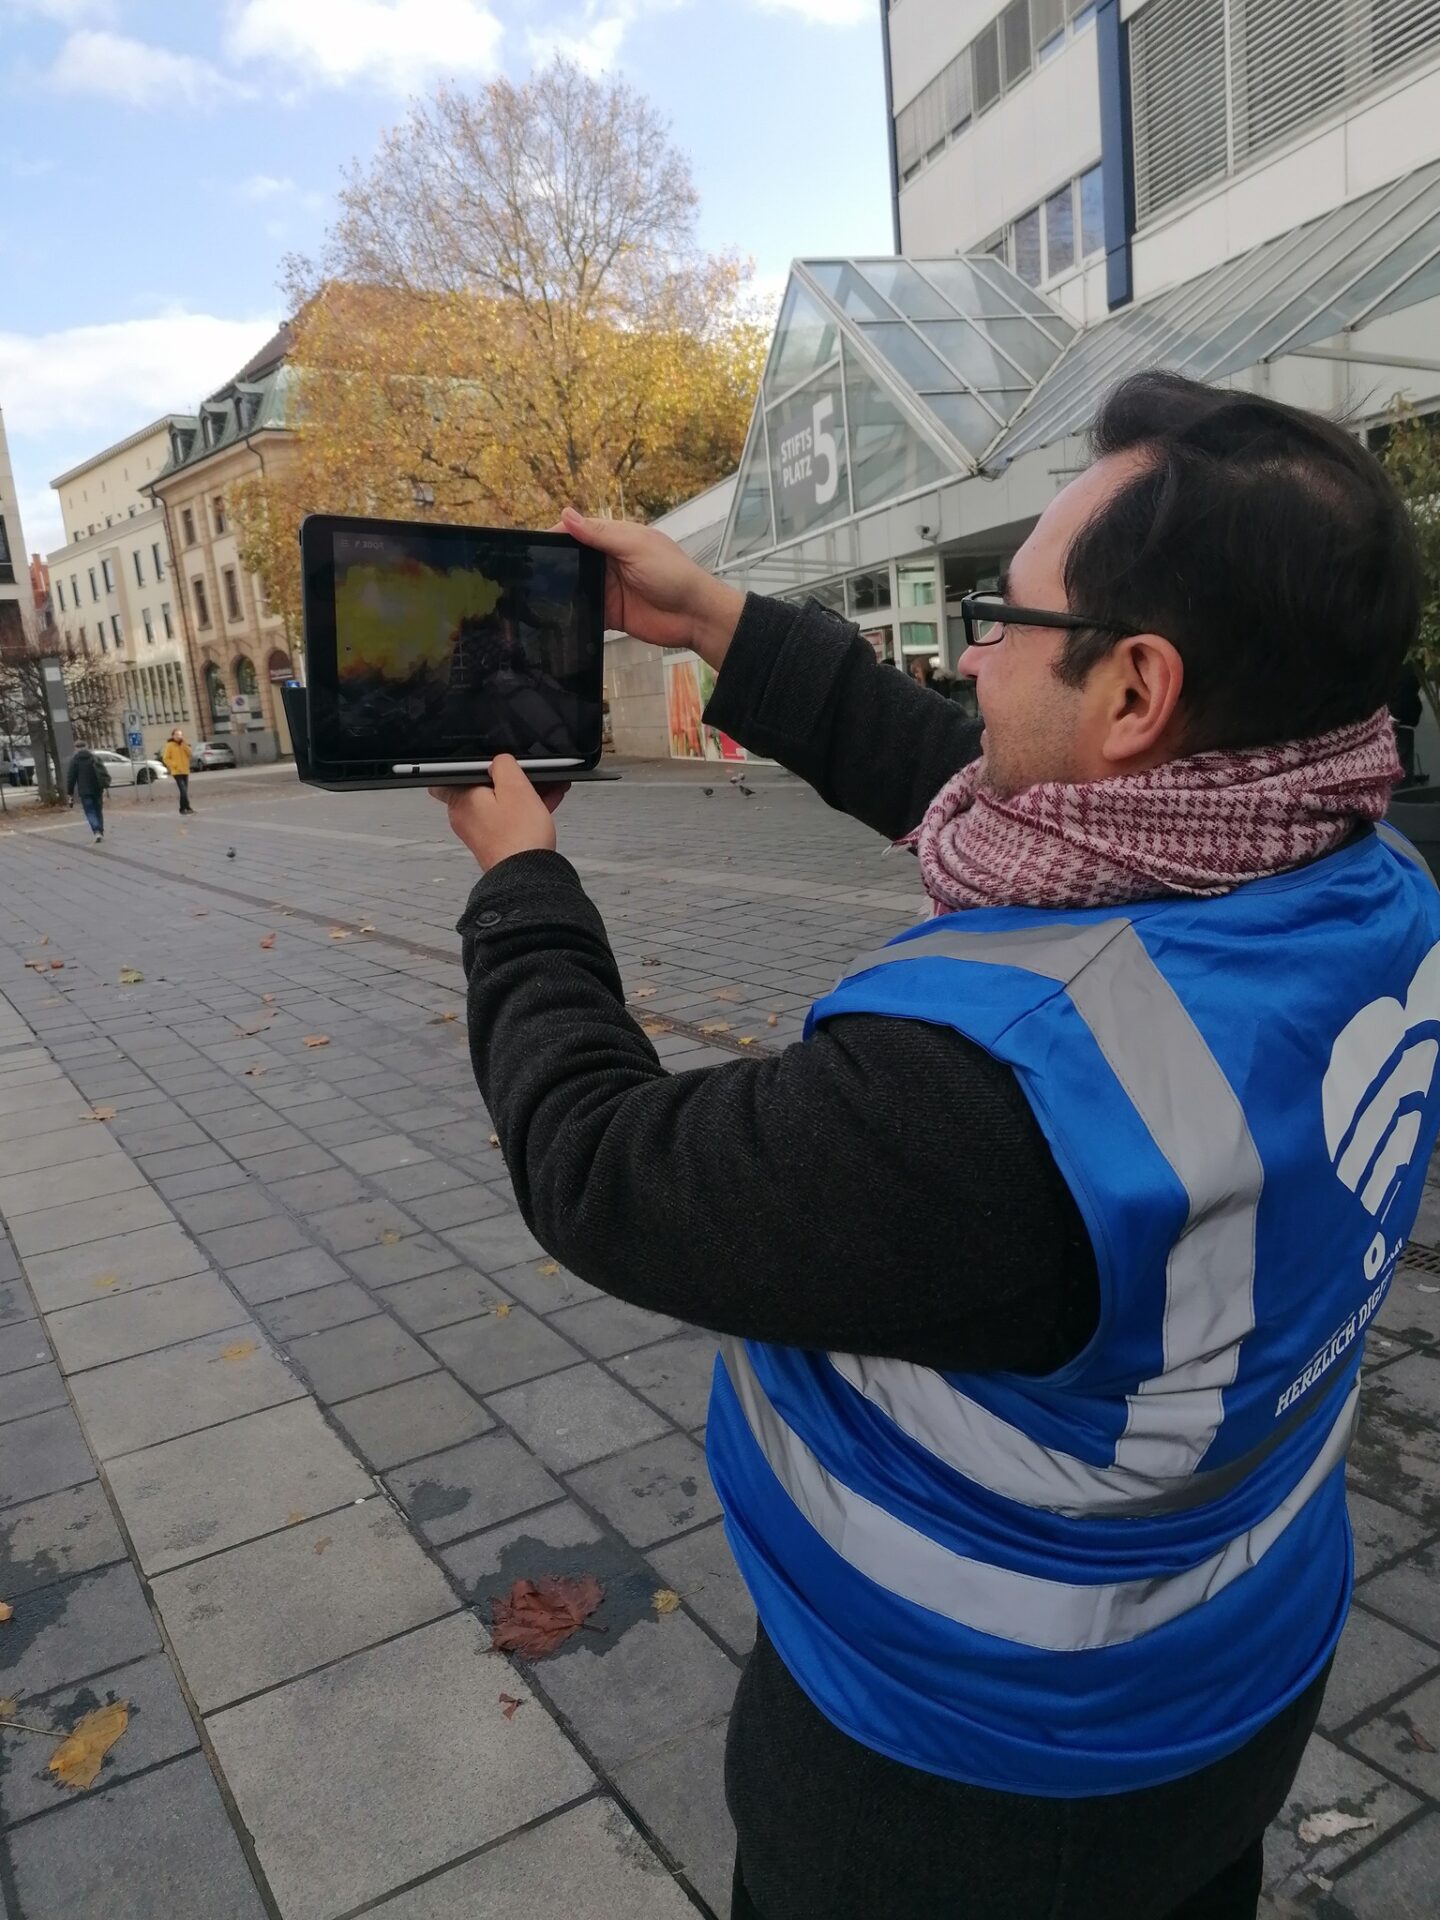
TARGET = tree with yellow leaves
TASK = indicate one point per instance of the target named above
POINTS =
(511, 314)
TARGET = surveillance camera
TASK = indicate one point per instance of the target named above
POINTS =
(926, 533)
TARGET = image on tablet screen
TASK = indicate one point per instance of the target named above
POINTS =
(450, 647)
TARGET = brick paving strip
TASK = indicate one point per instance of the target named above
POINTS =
(266, 1447)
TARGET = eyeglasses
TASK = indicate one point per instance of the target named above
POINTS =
(986, 616)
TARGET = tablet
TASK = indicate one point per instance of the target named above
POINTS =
(431, 649)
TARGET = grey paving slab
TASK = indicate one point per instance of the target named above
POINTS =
(78, 1627)
(1397, 1882)
(589, 1861)
(64, 1186)
(415, 1417)
(574, 1417)
(440, 1299)
(255, 1240)
(158, 1846)
(113, 1265)
(41, 1454)
(315, 1311)
(627, 1692)
(458, 1206)
(416, 1179)
(472, 1486)
(493, 1245)
(155, 1130)
(159, 1728)
(22, 1347)
(284, 1166)
(187, 1186)
(61, 1147)
(285, 1273)
(103, 1219)
(213, 1489)
(1412, 1307)
(363, 1223)
(1373, 1661)
(36, 1390)
(1406, 1593)
(276, 1607)
(675, 1374)
(349, 1792)
(180, 1159)
(558, 1539)
(142, 1320)
(309, 1193)
(702, 1570)
(1381, 1533)
(158, 1396)
(1405, 1737)
(605, 1326)
(1329, 1779)
(359, 1357)
(1396, 1453)
(497, 1350)
(652, 1491)
(233, 1205)
(678, 1789)
(407, 1259)
(50, 1119)
(16, 1302)
(51, 1538)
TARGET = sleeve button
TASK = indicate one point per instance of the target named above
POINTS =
(487, 919)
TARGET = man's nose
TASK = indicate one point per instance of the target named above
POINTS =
(969, 663)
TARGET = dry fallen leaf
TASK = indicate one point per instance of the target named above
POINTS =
(339, 933)
(367, 929)
(714, 1026)
(267, 939)
(537, 1616)
(108, 1280)
(7, 1612)
(77, 1760)
(502, 1312)
(99, 1113)
(267, 999)
(509, 1705)
(772, 1019)
(547, 1267)
(494, 1139)
(389, 1238)
(58, 966)
(317, 1039)
(654, 1027)
(746, 1039)
(254, 1073)
(294, 1517)
(324, 1541)
(238, 1350)
(644, 993)
(130, 976)
(443, 1019)
(666, 1600)
(1330, 1825)
(647, 961)
(44, 940)
(9, 1709)
(728, 993)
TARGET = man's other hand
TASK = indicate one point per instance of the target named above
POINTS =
(654, 590)
(512, 816)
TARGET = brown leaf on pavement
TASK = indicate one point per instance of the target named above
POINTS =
(267, 999)
(294, 1517)
(444, 1019)
(44, 940)
(728, 993)
(317, 1040)
(339, 933)
(509, 1705)
(56, 966)
(237, 1350)
(537, 1616)
(99, 1113)
(77, 1760)
(647, 961)
(267, 939)
(547, 1267)
(502, 1312)
(389, 1238)
(130, 976)
(367, 929)
(654, 1027)
(255, 1073)
(644, 993)
(772, 1019)
(746, 1039)
(106, 1281)
(714, 1026)
(494, 1139)
(666, 1600)
(324, 1541)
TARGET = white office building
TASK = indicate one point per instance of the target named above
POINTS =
(1245, 190)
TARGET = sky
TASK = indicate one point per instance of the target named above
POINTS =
(159, 158)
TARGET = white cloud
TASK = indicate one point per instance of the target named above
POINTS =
(591, 37)
(118, 68)
(265, 186)
(824, 13)
(70, 13)
(399, 45)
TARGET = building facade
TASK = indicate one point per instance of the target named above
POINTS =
(39, 585)
(112, 592)
(14, 584)
(239, 654)
(1247, 191)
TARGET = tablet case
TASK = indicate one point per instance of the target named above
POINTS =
(366, 780)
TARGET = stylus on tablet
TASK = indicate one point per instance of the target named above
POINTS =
(473, 766)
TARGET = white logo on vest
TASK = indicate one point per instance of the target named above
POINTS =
(1380, 1070)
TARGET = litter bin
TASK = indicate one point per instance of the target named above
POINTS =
(1415, 812)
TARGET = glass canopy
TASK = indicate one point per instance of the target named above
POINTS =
(1374, 256)
(885, 377)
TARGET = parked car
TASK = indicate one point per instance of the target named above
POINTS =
(19, 770)
(125, 772)
(210, 754)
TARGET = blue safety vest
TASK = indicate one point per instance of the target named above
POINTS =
(1113, 1575)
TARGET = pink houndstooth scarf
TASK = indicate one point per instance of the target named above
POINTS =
(1194, 826)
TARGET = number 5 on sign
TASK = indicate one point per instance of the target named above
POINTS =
(826, 450)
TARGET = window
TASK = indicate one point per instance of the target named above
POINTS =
(1047, 21)
(107, 569)
(869, 592)
(1027, 248)
(149, 626)
(245, 678)
(60, 594)
(94, 590)
(187, 526)
(218, 505)
(100, 635)
(84, 643)
(139, 568)
(233, 609)
(1015, 41)
(1092, 213)
(1060, 231)
(75, 591)
(985, 53)
(115, 627)
(166, 621)
(202, 604)
(917, 586)
(7, 565)
(159, 561)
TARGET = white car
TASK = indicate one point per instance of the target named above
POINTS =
(125, 772)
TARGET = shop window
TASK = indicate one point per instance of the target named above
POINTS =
(917, 586)
(245, 678)
(868, 592)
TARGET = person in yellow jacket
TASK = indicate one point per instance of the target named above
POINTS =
(176, 756)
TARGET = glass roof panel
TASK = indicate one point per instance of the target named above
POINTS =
(964, 288)
(972, 425)
(1422, 286)
(916, 365)
(972, 353)
(1025, 297)
(750, 528)
(888, 456)
(904, 288)
(805, 339)
(850, 292)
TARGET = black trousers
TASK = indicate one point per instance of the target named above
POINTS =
(829, 1830)
(182, 782)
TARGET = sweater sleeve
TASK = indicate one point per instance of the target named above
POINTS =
(883, 1189)
(800, 686)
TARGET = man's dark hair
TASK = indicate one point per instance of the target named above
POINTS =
(1265, 543)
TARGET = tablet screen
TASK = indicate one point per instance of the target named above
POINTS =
(455, 643)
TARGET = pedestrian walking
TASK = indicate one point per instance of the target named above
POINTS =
(176, 755)
(1043, 1266)
(89, 779)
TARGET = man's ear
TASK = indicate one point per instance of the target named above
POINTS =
(1145, 682)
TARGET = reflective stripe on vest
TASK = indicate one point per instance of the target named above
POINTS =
(1154, 1049)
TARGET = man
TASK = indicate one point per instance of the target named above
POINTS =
(176, 755)
(1044, 1264)
(89, 779)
